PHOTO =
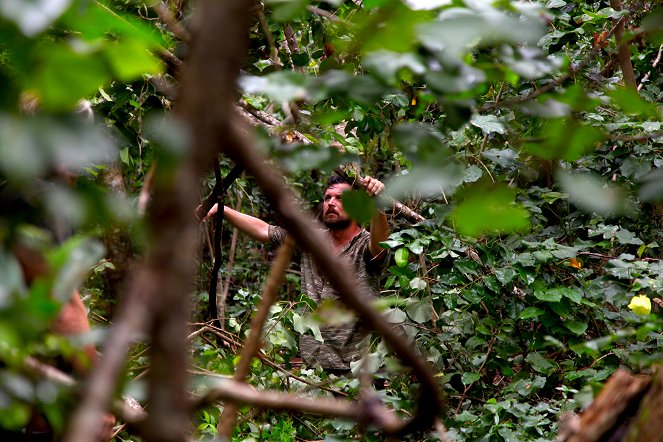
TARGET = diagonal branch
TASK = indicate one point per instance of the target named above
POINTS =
(340, 275)
(251, 346)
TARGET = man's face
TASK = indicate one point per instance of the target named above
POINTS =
(333, 215)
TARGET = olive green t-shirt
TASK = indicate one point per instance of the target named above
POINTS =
(341, 343)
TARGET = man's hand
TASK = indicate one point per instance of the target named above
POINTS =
(372, 185)
(212, 212)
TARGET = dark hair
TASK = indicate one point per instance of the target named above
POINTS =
(334, 180)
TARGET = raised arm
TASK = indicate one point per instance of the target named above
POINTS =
(250, 225)
(379, 225)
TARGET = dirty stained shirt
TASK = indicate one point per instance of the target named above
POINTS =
(341, 344)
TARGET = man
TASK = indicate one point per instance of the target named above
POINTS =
(341, 343)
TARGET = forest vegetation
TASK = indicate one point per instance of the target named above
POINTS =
(521, 145)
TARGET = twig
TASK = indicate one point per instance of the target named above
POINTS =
(144, 197)
(483, 364)
(488, 107)
(654, 64)
(171, 22)
(273, 52)
(265, 360)
(122, 409)
(328, 15)
(221, 305)
(212, 292)
(269, 295)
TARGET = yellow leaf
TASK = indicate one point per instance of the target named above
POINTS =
(641, 305)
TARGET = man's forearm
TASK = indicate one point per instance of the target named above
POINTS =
(250, 225)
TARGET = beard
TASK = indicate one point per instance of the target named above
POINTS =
(338, 224)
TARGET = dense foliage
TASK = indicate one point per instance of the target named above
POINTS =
(507, 125)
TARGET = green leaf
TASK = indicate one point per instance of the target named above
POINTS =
(531, 312)
(551, 295)
(359, 206)
(632, 102)
(130, 59)
(419, 312)
(469, 378)
(65, 75)
(401, 257)
(488, 124)
(539, 363)
(577, 327)
(489, 209)
(472, 174)
(565, 139)
(287, 10)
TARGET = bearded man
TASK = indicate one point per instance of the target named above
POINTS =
(341, 343)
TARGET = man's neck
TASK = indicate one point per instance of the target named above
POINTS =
(342, 236)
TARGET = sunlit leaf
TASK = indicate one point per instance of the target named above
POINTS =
(401, 257)
(633, 103)
(488, 124)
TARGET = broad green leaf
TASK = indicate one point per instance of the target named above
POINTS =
(591, 192)
(65, 75)
(426, 181)
(417, 284)
(401, 257)
(486, 210)
(540, 363)
(469, 378)
(488, 124)
(395, 316)
(550, 295)
(633, 103)
(359, 206)
(565, 139)
(651, 186)
(577, 327)
(419, 312)
(531, 312)
(130, 59)
(287, 10)
(459, 30)
(472, 174)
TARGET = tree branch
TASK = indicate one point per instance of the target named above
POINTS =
(367, 412)
(251, 346)
(623, 51)
(341, 276)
